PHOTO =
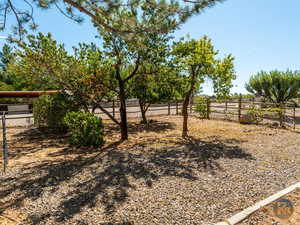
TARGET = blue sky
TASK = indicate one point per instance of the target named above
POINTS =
(261, 34)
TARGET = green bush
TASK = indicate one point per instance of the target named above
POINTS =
(201, 107)
(50, 110)
(255, 113)
(85, 128)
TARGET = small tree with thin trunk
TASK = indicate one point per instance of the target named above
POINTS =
(126, 59)
(197, 59)
(164, 85)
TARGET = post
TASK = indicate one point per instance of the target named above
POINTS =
(281, 115)
(113, 108)
(5, 153)
(294, 116)
(169, 109)
(207, 108)
(176, 107)
(240, 108)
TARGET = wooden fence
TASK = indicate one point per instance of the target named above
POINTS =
(233, 109)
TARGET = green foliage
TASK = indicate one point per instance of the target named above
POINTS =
(201, 107)
(40, 61)
(126, 18)
(255, 113)
(277, 87)
(86, 129)
(50, 110)
(198, 60)
(274, 111)
(9, 80)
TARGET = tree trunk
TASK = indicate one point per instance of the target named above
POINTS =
(143, 111)
(185, 105)
(185, 114)
(123, 113)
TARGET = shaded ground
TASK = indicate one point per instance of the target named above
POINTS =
(155, 178)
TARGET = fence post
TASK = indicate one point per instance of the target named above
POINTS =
(169, 109)
(176, 107)
(5, 153)
(281, 114)
(191, 104)
(207, 108)
(113, 108)
(294, 115)
(240, 107)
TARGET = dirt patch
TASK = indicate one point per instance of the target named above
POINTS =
(154, 178)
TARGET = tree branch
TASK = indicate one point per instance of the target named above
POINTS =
(134, 72)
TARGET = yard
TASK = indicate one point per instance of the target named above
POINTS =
(154, 178)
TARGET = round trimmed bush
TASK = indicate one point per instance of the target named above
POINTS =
(85, 128)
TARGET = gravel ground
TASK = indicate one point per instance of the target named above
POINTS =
(267, 216)
(154, 178)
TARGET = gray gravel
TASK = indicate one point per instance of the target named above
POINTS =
(187, 182)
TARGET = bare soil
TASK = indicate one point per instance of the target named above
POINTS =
(154, 178)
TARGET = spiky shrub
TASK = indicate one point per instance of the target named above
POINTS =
(85, 128)
(50, 110)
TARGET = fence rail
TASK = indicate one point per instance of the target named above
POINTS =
(233, 109)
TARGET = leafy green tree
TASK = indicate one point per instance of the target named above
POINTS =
(128, 60)
(197, 59)
(276, 86)
(118, 16)
(90, 75)
(162, 86)
(9, 81)
(37, 61)
(46, 65)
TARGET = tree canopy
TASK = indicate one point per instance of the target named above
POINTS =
(275, 86)
(197, 59)
(119, 16)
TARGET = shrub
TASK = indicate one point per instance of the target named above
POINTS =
(201, 107)
(50, 110)
(85, 128)
(255, 113)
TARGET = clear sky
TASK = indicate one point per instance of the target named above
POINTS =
(261, 34)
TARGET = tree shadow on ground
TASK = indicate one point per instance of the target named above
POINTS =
(105, 180)
(33, 140)
(136, 127)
